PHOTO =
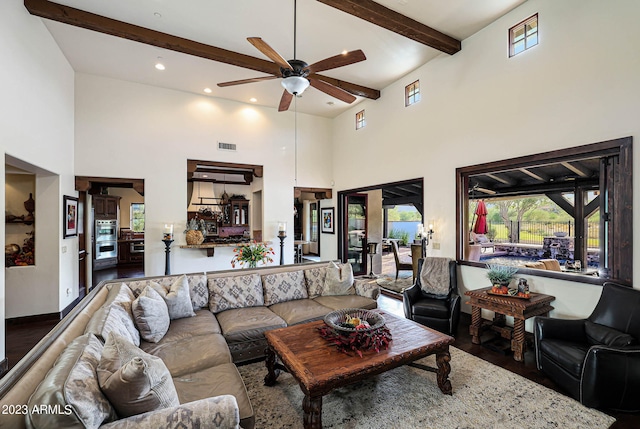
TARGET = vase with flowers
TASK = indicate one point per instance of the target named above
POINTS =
(250, 254)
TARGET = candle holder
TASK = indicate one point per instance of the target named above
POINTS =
(282, 235)
(372, 249)
(167, 260)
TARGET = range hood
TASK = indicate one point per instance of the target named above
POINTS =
(203, 196)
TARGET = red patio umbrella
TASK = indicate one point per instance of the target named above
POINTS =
(480, 226)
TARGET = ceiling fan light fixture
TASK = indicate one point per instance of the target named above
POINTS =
(295, 84)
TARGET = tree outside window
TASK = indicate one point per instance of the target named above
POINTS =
(137, 217)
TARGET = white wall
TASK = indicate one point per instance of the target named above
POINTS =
(36, 127)
(149, 133)
(579, 85)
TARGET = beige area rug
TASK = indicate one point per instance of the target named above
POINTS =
(485, 396)
(405, 281)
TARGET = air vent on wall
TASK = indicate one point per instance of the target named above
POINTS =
(227, 146)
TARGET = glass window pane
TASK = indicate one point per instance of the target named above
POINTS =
(518, 47)
(532, 40)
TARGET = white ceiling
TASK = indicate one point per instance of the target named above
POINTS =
(323, 31)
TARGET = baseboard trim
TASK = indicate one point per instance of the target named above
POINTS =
(33, 319)
(69, 307)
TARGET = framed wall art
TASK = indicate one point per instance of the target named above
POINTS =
(328, 220)
(70, 216)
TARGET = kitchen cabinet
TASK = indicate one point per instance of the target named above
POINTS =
(239, 212)
(105, 206)
(130, 252)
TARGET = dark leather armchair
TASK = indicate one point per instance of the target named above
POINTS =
(597, 359)
(439, 313)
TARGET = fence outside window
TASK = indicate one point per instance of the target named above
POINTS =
(533, 232)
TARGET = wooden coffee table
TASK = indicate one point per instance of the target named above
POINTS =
(319, 367)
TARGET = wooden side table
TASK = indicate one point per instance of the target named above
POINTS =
(520, 309)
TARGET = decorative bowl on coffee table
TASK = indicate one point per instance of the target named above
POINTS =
(337, 320)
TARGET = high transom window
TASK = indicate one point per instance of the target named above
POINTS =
(523, 36)
(412, 93)
(360, 121)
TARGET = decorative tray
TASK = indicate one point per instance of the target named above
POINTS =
(508, 295)
(346, 320)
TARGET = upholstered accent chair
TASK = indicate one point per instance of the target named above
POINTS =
(439, 311)
(596, 360)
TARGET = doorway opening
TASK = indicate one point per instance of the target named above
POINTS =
(376, 213)
(114, 240)
(306, 222)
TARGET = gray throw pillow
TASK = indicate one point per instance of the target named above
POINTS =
(338, 280)
(135, 382)
(113, 318)
(151, 315)
(177, 298)
(71, 384)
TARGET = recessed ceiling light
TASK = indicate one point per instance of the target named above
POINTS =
(160, 66)
(330, 103)
(253, 100)
(345, 52)
(157, 14)
(207, 90)
(205, 175)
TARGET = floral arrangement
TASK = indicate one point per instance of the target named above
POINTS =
(359, 340)
(252, 253)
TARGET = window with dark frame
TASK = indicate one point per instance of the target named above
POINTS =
(412, 93)
(360, 121)
(523, 35)
(137, 217)
(605, 189)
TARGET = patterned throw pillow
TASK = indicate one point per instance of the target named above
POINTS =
(134, 381)
(177, 298)
(315, 280)
(151, 315)
(338, 280)
(286, 286)
(226, 293)
(72, 384)
(113, 318)
(198, 291)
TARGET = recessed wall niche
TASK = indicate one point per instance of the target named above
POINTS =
(20, 188)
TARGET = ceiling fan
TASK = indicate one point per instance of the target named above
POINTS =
(297, 75)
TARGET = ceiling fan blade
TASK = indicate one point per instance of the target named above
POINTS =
(333, 91)
(242, 81)
(271, 53)
(337, 61)
(285, 101)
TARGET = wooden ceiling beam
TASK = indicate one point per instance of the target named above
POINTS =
(384, 17)
(90, 21)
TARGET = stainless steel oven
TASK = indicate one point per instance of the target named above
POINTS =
(106, 249)
(136, 247)
(106, 230)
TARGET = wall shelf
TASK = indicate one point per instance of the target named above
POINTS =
(211, 247)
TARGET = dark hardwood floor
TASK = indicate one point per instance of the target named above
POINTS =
(22, 337)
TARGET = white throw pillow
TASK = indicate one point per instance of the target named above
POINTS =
(339, 280)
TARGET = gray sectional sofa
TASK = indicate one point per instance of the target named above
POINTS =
(179, 357)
